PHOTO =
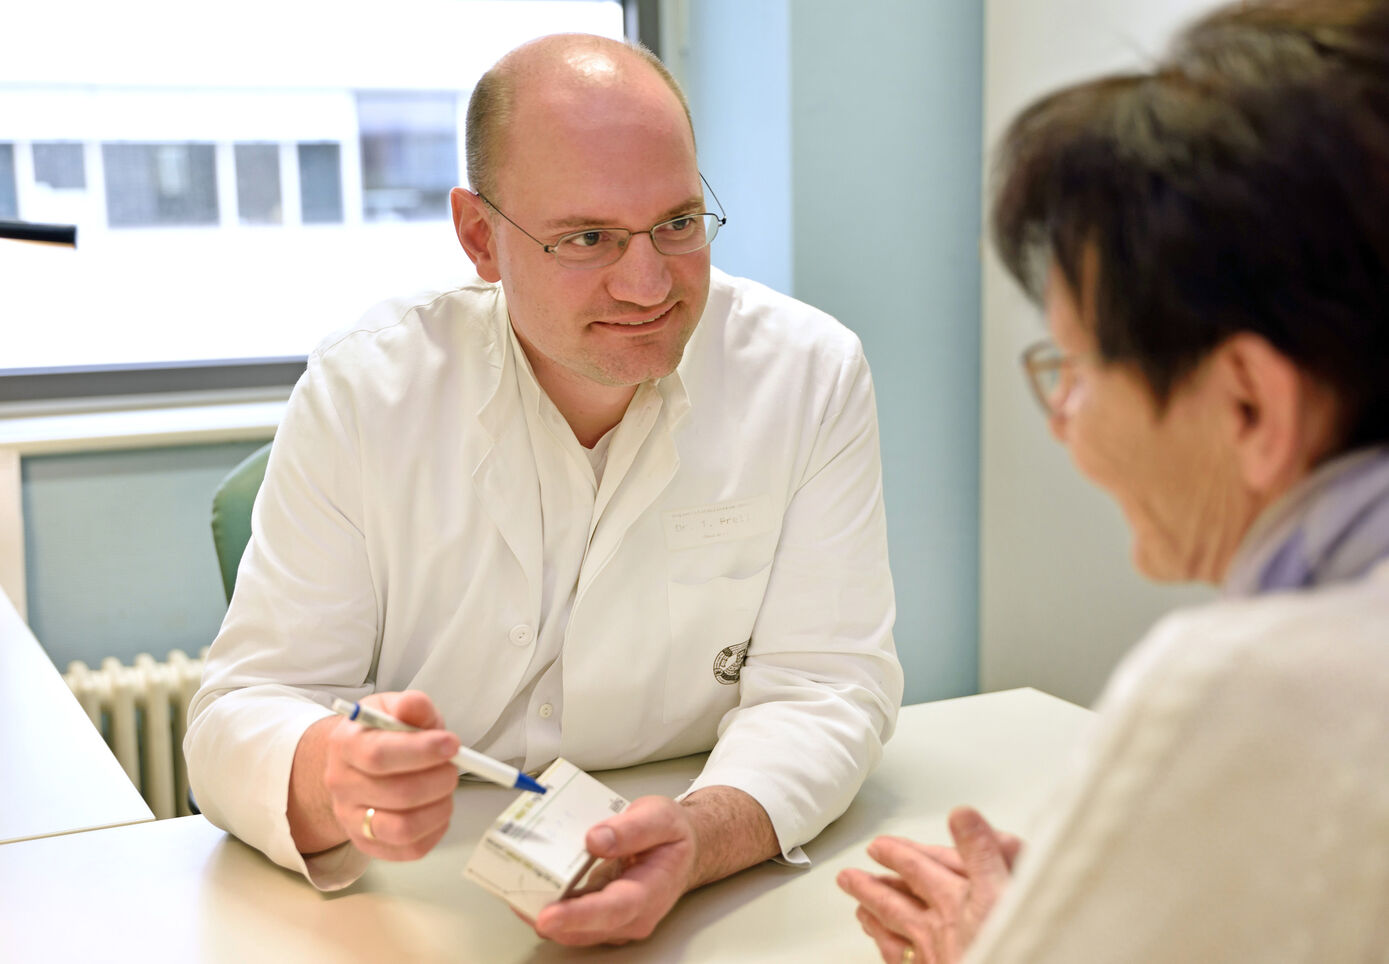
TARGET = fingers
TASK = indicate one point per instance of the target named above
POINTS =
(603, 873)
(928, 879)
(411, 706)
(892, 947)
(399, 834)
(893, 913)
(940, 896)
(1010, 844)
(649, 853)
(614, 914)
(384, 752)
(404, 777)
(947, 857)
(980, 850)
(647, 822)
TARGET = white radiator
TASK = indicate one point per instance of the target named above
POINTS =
(142, 713)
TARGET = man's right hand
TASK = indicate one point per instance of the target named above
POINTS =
(341, 769)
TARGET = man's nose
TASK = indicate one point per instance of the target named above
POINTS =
(642, 275)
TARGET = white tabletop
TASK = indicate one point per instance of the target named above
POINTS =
(56, 773)
(181, 890)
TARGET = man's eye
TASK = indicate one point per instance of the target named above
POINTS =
(586, 239)
(678, 225)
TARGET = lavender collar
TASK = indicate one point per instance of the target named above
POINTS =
(1332, 526)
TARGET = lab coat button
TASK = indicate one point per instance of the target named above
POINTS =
(546, 710)
(521, 634)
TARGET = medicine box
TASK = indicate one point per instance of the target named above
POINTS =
(534, 853)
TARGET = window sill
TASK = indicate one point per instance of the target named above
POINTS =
(149, 422)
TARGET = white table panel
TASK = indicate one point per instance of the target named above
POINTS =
(180, 890)
(56, 773)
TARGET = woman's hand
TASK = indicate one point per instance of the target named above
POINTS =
(933, 904)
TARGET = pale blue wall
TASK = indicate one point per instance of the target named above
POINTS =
(738, 81)
(845, 143)
(881, 106)
(118, 550)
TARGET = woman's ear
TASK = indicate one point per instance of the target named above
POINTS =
(474, 228)
(1280, 421)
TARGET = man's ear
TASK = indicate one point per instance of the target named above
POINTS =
(1279, 420)
(474, 228)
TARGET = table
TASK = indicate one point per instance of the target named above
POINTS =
(181, 890)
(56, 773)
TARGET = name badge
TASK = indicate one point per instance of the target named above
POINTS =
(721, 522)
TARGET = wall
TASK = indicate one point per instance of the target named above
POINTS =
(881, 109)
(733, 58)
(118, 548)
(1059, 602)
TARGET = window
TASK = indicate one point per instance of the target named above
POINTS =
(409, 154)
(232, 206)
(9, 205)
(59, 165)
(159, 184)
(320, 183)
(258, 183)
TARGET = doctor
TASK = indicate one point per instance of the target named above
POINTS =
(1217, 236)
(602, 502)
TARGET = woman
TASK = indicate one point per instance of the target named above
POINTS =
(1210, 241)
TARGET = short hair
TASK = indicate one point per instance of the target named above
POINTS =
(490, 109)
(1242, 184)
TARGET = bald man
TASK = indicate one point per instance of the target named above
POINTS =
(601, 503)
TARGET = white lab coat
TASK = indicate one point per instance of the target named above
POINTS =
(396, 544)
(1234, 803)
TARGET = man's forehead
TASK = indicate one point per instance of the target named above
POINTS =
(638, 99)
(580, 164)
(588, 81)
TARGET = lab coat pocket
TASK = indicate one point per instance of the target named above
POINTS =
(711, 626)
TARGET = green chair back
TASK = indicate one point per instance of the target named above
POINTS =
(231, 513)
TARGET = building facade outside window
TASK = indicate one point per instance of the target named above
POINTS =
(258, 198)
(320, 183)
(9, 204)
(233, 206)
(60, 165)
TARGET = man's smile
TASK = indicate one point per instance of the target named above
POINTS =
(642, 322)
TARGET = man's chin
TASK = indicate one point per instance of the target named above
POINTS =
(639, 365)
(630, 378)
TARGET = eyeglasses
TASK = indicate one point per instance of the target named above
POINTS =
(600, 247)
(1050, 374)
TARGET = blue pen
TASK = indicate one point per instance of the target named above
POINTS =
(465, 759)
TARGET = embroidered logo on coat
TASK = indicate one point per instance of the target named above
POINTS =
(728, 664)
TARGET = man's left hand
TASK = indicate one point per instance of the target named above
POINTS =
(649, 857)
(939, 898)
(652, 853)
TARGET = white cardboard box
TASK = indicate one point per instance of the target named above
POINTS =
(534, 853)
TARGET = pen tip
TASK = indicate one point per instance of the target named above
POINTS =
(524, 782)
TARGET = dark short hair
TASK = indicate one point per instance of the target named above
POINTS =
(1242, 184)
